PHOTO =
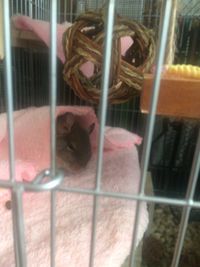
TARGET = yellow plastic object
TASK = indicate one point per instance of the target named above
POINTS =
(184, 71)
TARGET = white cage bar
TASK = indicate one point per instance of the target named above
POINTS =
(52, 86)
(103, 109)
(18, 231)
(164, 27)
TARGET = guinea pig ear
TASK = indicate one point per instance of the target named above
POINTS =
(69, 120)
(91, 128)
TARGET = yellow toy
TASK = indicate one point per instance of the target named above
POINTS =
(183, 71)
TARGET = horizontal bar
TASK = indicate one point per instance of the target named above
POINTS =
(161, 200)
(153, 199)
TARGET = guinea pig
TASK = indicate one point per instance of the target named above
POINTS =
(73, 148)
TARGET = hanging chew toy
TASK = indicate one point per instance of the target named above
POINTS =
(83, 46)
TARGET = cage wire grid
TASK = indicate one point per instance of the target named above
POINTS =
(56, 177)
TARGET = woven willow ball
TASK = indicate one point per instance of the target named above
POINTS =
(83, 42)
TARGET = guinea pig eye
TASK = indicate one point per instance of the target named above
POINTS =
(70, 147)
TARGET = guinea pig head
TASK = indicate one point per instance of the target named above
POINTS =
(73, 146)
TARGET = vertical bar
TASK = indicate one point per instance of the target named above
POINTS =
(28, 92)
(141, 10)
(65, 10)
(150, 14)
(23, 79)
(25, 8)
(17, 7)
(32, 100)
(59, 12)
(9, 87)
(12, 7)
(21, 7)
(103, 110)
(80, 7)
(36, 10)
(49, 4)
(105, 87)
(46, 10)
(20, 259)
(163, 32)
(186, 210)
(30, 5)
(43, 10)
(71, 11)
(53, 83)
(96, 4)
(15, 79)
(39, 9)
(19, 225)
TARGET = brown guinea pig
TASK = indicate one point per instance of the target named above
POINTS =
(73, 148)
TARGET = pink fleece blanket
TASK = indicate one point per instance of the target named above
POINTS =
(121, 173)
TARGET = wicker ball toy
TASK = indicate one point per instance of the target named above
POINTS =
(83, 42)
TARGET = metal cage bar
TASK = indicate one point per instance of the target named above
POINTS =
(16, 191)
(163, 32)
(55, 183)
(17, 204)
(9, 87)
(103, 111)
(53, 83)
